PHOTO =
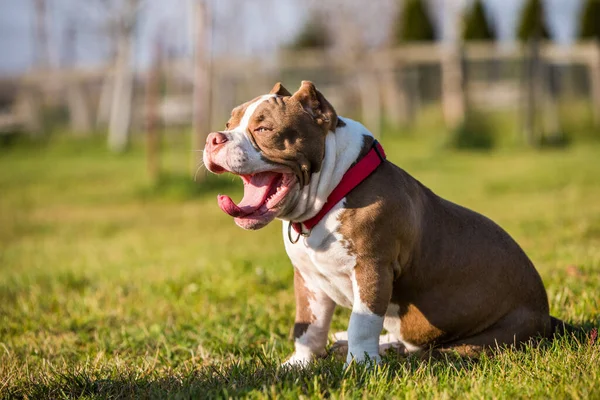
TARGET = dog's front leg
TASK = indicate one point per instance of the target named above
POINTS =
(314, 310)
(372, 289)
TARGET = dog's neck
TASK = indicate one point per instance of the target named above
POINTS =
(342, 149)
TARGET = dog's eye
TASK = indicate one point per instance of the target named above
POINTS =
(227, 126)
(261, 129)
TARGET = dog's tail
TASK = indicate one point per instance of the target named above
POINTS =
(561, 328)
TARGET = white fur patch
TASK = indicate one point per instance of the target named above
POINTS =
(237, 154)
(323, 257)
(313, 341)
(363, 330)
(323, 260)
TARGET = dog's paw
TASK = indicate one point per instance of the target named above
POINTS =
(369, 360)
(297, 361)
(388, 344)
(366, 361)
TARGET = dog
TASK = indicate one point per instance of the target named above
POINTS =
(364, 234)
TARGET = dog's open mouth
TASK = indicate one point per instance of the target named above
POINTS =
(263, 193)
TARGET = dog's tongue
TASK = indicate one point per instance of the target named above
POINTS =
(256, 190)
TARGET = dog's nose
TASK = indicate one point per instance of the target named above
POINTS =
(216, 139)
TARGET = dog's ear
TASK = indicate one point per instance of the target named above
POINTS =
(317, 106)
(279, 90)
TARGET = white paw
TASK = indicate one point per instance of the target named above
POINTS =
(370, 359)
(297, 361)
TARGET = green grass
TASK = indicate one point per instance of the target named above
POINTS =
(110, 287)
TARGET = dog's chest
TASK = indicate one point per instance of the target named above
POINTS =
(323, 258)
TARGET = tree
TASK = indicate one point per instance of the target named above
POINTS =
(41, 35)
(414, 23)
(590, 20)
(533, 22)
(476, 24)
(125, 21)
(314, 35)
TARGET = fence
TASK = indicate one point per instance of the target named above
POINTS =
(389, 85)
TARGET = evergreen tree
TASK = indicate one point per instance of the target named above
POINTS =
(476, 24)
(414, 23)
(533, 21)
(314, 35)
(590, 20)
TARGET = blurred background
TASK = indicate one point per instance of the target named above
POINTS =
(121, 68)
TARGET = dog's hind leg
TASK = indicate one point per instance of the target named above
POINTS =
(513, 330)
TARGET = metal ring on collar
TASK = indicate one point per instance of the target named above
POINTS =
(299, 234)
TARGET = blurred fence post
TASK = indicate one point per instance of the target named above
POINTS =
(29, 109)
(80, 116)
(552, 127)
(453, 97)
(370, 99)
(532, 62)
(202, 85)
(594, 69)
(104, 105)
(393, 93)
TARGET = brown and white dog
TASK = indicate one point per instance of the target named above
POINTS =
(432, 273)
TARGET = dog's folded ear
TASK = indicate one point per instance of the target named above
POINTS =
(317, 106)
(279, 90)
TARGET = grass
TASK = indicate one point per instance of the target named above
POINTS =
(111, 287)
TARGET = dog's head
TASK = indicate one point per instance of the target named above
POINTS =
(275, 143)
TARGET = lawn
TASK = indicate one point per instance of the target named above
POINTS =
(113, 287)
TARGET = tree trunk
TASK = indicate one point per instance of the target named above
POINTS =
(152, 117)
(120, 114)
(202, 86)
(41, 32)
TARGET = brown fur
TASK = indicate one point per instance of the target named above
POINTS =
(463, 282)
(460, 282)
(296, 126)
(304, 316)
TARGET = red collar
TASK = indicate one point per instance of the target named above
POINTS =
(351, 179)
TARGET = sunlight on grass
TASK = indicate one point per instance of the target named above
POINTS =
(112, 287)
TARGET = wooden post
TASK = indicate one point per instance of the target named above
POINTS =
(104, 105)
(80, 117)
(370, 100)
(393, 94)
(552, 128)
(151, 114)
(453, 100)
(202, 84)
(594, 68)
(530, 129)
(29, 109)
